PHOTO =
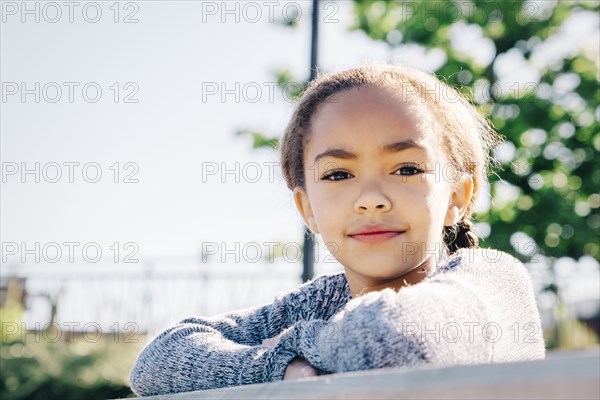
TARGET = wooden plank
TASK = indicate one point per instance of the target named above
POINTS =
(563, 375)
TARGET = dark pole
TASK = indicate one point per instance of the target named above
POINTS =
(308, 270)
(314, 40)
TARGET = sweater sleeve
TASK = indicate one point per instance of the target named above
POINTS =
(447, 319)
(226, 350)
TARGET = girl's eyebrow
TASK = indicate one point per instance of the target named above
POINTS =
(388, 148)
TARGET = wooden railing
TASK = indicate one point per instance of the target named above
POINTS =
(562, 375)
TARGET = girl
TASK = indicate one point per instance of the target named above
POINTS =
(385, 163)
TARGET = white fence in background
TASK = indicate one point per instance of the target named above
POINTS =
(147, 297)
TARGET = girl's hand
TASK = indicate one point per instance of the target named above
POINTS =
(299, 368)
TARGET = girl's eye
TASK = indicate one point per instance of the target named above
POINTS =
(336, 176)
(409, 169)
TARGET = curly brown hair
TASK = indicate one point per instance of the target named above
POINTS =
(466, 135)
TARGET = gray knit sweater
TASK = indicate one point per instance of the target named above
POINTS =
(478, 307)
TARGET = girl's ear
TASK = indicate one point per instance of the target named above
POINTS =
(459, 200)
(304, 208)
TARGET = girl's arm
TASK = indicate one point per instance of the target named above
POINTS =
(481, 310)
(227, 350)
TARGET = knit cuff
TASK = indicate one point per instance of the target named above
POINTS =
(305, 338)
(276, 362)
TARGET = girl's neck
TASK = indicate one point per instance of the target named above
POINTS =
(360, 285)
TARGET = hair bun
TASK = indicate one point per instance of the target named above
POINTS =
(460, 236)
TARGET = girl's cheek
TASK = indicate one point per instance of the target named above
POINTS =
(411, 190)
(429, 178)
(335, 195)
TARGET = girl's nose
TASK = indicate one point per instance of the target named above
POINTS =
(372, 200)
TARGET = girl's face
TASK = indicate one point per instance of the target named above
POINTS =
(375, 188)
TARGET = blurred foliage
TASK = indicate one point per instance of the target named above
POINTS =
(258, 139)
(9, 315)
(43, 365)
(292, 88)
(570, 334)
(567, 330)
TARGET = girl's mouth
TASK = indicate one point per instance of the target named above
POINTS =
(375, 237)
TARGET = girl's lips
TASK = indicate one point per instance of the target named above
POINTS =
(375, 237)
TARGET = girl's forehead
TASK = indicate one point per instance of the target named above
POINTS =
(369, 116)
